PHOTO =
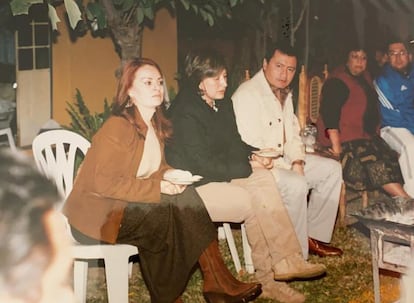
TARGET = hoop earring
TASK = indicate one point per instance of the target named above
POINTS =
(129, 103)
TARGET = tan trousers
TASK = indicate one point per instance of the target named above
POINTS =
(256, 201)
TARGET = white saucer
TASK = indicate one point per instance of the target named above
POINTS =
(184, 181)
(182, 177)
(269, 153)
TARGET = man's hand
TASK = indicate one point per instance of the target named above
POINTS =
(261, 162)
(298, 167)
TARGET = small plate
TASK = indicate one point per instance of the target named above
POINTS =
(269, 153)
(184, 181)
(181, 177)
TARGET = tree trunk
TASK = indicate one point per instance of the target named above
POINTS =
(126, 34)
(128, 41)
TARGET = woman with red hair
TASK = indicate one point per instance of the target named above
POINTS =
(121, 196)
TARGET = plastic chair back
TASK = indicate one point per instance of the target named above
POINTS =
(56, 153)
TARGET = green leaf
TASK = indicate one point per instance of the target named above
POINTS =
(83, 109)
(195, 8)
(210, 20)
(95, 12)
(82, 121)
(140, 16)
(149, 12)
(127, 5)
(186, 4)
(53, 17)
(209, 9)
(76, 120)
(21, 7)
(91, 10)
(233, 3)
(74, 13)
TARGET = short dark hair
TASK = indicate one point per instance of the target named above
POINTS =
(25, 197)
(393, 40)
(203, 63)
(354, 47)
(282, 46)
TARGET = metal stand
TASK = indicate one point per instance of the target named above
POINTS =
(380, 235)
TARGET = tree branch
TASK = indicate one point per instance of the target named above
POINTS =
(302, 13)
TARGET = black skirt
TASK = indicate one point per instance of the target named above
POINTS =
(170, 237)
(368, 164)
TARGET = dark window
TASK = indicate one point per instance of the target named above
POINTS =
(39, 13)
(25, 59)
(42, 57)
(25, 36)
(42, 34)
(33, 41)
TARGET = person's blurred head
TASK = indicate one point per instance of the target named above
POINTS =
(399, 56)
(206, 71)
(279, 64)
(381, 57)
(141, 87)
(35, 256)
(356, 60)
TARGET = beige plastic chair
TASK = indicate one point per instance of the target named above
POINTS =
(55, 153)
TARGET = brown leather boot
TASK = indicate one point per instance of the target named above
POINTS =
(219, 284)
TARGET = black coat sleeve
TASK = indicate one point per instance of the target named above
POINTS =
(333, 97)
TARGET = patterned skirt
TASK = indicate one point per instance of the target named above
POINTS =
(368, 164)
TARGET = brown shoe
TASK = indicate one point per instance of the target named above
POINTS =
(295, 267)
(179, 300)
(323, 250)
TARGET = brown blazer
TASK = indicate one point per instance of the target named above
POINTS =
(107, 181)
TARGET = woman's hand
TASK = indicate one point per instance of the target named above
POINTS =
(171, 189)
(335, 139)
(261, 162)
(336, 152)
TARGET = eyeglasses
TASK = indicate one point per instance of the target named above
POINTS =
(397, 53)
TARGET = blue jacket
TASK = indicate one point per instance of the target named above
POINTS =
(396, 96)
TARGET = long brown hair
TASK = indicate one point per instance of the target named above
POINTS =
(121, 105)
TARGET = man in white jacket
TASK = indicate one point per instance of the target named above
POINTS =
(266, 119)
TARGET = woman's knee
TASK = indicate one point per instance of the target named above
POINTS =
(225, 202)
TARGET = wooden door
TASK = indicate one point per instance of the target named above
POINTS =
(33, 95)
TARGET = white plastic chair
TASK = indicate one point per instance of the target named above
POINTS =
(55, 152)
(225, 232)
(5, 119)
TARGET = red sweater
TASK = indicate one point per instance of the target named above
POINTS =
(343, 108)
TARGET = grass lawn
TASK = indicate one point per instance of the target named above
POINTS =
(348, 278)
